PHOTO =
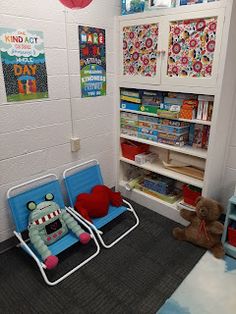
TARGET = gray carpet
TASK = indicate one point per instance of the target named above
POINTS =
(135, 276)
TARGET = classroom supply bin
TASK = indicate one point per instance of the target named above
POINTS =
(190, 194)
(130, 149)
(232, 236)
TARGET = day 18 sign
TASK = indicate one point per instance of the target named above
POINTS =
(92, 61)
(23, 63)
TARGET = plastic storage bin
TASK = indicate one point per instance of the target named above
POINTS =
(130, 149)
(191, 194)
(232, 236)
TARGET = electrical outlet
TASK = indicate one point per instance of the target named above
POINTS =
(75, 144)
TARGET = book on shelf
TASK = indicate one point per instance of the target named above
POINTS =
(183, 96)
(173, 101)
(205, 107)
(131, 99)
(152, 98)
(200, 136)
(130, 92)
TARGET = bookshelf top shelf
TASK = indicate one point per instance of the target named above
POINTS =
(170, 87)
(171, 11)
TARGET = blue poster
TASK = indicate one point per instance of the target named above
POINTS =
(92, 61)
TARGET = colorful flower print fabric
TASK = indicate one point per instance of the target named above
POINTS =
(191, 47)
(140, 46)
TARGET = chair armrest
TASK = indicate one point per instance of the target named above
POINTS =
(28, 249)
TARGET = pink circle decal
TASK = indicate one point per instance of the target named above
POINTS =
(75, 4)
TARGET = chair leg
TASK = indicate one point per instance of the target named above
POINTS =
(130, 209)
(98, 232)
(42, 267)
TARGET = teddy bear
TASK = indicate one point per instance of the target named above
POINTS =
(204, 230)
(96, 204)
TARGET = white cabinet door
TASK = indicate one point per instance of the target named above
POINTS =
(192, 48)
(140, 56)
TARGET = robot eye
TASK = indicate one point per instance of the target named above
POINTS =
(31, 205)
(49, 197)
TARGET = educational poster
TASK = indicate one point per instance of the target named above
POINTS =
(24, 65)
(92, 61)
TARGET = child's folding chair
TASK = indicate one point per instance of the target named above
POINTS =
(81, 179)
(35, 190)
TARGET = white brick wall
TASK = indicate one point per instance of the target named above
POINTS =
(35, 136)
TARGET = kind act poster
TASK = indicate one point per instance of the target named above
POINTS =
(24, 65)
(92, 61)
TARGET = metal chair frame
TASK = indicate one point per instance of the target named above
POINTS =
(24, 244)
(98, 232)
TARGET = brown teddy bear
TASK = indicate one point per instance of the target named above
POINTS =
(204, 229)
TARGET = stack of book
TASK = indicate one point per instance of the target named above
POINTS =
(173, 103)
(199, 135)
(189, 109)
(205, 107)
(130, 99)
(129, 123)
(151, 101)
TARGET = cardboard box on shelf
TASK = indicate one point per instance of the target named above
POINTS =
(145, 157)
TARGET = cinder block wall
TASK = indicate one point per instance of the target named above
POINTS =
(35, 136)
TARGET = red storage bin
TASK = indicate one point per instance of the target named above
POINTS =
(130, 149)
(190, 194)
(232, 236)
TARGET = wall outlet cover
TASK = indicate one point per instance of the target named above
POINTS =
(75, 144)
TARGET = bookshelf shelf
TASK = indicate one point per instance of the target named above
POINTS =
(159, 206)
(157, 167)
(155, 115)
(188, 150)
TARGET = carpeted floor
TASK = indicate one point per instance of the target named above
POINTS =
(135, 276)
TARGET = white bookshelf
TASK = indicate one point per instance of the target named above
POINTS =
(221, 88)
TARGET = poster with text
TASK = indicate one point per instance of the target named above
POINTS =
(92, 61)
(23, 64)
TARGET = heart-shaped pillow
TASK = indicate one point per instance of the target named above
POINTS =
(92, 205)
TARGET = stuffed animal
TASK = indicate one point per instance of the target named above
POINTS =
(47, 224)
(204, 230)
(96, 204)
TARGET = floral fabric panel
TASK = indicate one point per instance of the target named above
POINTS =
(191, 47)
(140, 46)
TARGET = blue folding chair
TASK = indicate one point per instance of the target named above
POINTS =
(35, 190)
(81, 179)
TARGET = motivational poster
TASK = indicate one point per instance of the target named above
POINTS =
(92, 61)
(23, 64)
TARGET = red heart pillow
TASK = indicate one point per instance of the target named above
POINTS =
(93, 205)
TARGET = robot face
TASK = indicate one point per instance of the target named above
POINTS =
(44, 211)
